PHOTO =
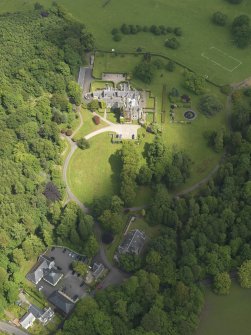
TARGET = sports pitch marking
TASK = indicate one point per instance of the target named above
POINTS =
(222, 54)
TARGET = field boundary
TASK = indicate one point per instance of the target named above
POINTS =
(204, 54)
(156, 55)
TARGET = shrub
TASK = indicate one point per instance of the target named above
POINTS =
(169, 29)
(219, 18)
(69, 132)
(117, 37)
(172, 43)
(241, 31)
(107, 238)
(94, 104)
(177, 31)
(158, 64)
(210, 105)
(144, 72)
(170, 66)
(125, 29)
(222, 283)
(83, 144)
(115, 31)
(245, 274)
(96, 119)
(234, 2)
(226, 89)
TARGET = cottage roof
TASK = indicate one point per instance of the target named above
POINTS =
(41, 269)
(27, 320)
(61, 302)
(53, 277)
(133, 242)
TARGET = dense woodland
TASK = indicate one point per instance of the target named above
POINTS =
(204, 238)
(40, 55)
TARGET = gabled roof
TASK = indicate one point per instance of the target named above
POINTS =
(53, 277)
(37, 312)
(61, 302)
(41, 269)
(27, 320)
(97, 269)
(133, 242)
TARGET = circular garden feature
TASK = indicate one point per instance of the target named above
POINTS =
(190, 115)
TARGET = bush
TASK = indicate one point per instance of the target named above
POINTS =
(226, 89)
(245, 274)
(234, 2)
(125, 29)
(69, 132)
(144, 72)
(219, 18)
(222, 283)
(115, 31)
(96, 119)
(241, 31)
(107, 238)
(210, 105)
(170, 66)
(158, 64)
(172, 43)
(117, 37)
(177, 31)
(169, 29)
(94, 104)
(83, 144)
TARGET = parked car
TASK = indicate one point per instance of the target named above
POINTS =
(64, 250)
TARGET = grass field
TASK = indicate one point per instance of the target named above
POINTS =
(93, 172)
(193, 16)
(88, 125)
(227, 315)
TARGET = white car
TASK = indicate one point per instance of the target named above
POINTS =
(40, 288)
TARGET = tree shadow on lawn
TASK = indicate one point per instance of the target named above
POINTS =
(116, 166)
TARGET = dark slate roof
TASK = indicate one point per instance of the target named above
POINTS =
(53, 277)
(133, 242)
(61, 302)
(41, 269)
(97, 269)
(37, 312)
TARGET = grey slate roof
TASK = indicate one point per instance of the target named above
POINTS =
(53, 277)
(61, 302)
(97, 269)
(41, 269)
(132, 243)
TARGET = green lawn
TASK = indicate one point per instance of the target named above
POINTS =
(193, 16)
(88, 124)
(227, 315)
(150, 231)
(94, 172)
(187, 137)
(99, 84)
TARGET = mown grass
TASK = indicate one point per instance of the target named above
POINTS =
(193, 16)
(226, 315)
(187, 137)
(88, 124)
(94, 172)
